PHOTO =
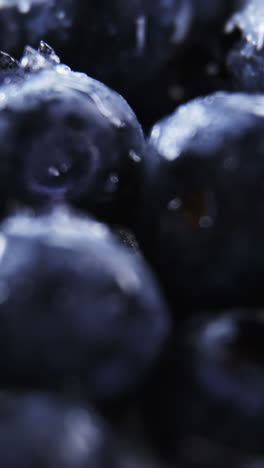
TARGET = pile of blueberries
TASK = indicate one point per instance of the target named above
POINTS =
(132, 254)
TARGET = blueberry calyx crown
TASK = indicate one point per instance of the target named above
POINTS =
(7, 63)
(33, 60)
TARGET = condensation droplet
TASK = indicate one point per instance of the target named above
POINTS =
(174, 204)
(155, 132)
(53, 171)
(114, 178)
(106, 111)
(133, 155)
(33, 60)
(112, 183)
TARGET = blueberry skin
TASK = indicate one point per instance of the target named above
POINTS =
(202, 202)
(246, 57)
(79, 311)
(42, 430)
(206, 406)
(66, 137)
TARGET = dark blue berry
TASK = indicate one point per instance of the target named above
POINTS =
(41, 430)
(78, 310)
(210, 392)
(65, 136)
(202, 201)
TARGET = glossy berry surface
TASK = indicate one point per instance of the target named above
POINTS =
(73, 139)
(201, 216)
(209, 388)
(41, 430)
(155, 319)
(78, 310)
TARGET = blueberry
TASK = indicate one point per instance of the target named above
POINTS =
(246, 57)
(65, 136)
(41, 430)
(78, 310)
(202, 202)
(207, 406)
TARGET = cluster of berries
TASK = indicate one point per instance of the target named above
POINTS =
(131, 241)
